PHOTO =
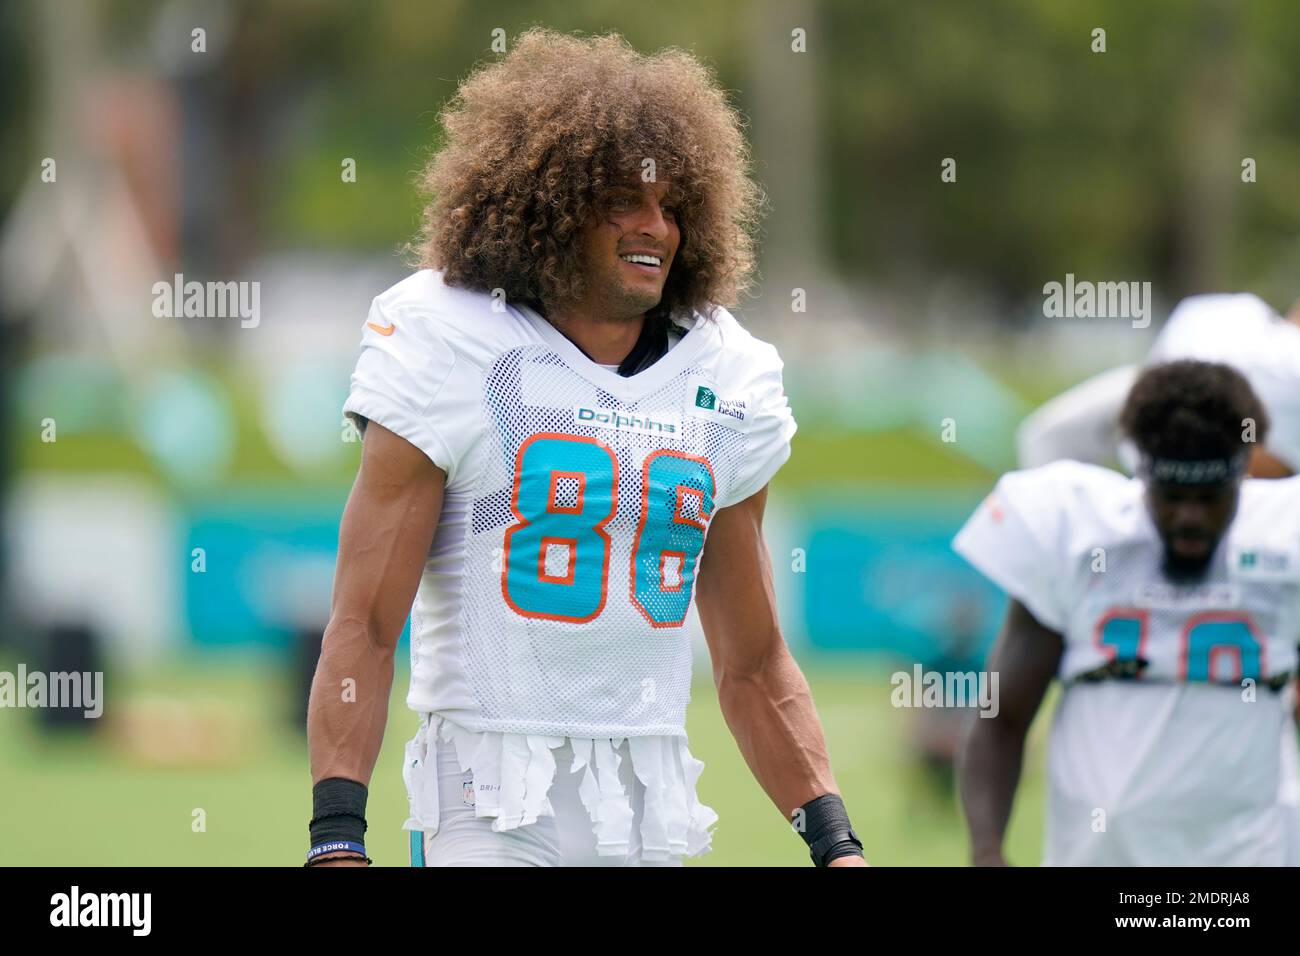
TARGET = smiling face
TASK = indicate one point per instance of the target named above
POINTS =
(1191, 521)
(628, 248)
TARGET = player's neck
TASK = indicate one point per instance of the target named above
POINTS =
(604, 341)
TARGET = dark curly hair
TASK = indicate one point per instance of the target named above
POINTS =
(537, 140)
(1192, 410)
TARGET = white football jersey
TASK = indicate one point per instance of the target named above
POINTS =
(1193, 762)
(555, 597)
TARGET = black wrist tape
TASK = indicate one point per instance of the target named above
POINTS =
(338, 811)
(826, 829)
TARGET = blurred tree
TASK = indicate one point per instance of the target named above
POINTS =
(1122, 164)
(1117, 164)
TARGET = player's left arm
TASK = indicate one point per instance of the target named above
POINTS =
(764, 697)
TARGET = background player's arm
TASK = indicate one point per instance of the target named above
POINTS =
(1025, 658)
(1081, 423)
(1264, 464)
(762, 692)
(384, 540)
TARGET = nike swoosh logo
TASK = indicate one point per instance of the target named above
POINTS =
(382, 329)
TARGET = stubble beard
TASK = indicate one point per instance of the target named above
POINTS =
(618, 303)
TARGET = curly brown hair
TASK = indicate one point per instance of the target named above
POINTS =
(536, 141)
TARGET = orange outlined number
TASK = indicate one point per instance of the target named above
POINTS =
(565, 493)
(557, 553)
(677, 492)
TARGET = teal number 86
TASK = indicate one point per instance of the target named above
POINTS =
(676, 501)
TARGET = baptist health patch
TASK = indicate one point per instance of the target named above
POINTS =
(1264, 564)
(704, 401)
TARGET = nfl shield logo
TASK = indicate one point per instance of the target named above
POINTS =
(467, 791)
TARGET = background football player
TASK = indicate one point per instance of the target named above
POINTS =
(567, 440)
(1168, 606)
(1240, 330)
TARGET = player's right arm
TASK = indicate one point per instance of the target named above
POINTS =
(1025, 658)
(384, 539)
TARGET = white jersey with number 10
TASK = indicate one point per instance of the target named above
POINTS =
(1195, 761)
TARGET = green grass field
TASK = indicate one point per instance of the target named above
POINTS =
(87, 803)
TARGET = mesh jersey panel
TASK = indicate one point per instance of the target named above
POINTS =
(555, 638)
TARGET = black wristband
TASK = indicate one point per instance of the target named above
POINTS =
(826, 829)
(338, 811)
